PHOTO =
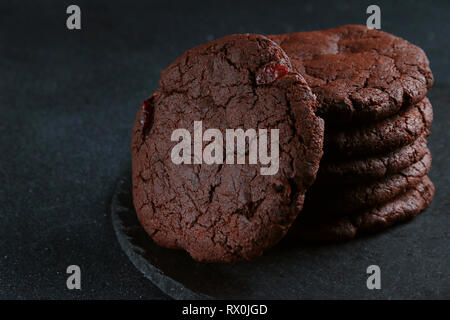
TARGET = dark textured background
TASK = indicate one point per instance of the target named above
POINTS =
(68, 99)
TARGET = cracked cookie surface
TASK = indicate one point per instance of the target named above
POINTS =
(224, 212)
(312, 228)
(358, 73)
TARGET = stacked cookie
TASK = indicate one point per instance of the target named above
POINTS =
(371, 88)
(371, 159)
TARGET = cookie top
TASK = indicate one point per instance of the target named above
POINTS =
(358, 73)
(313, 228)
(370, 168)
(381, 136)
(225, 212)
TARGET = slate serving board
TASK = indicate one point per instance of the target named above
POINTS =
(414, 257)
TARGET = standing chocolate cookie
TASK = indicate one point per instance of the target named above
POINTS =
(358, 73)
(225, 211)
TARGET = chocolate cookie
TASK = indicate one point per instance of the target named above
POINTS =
(382, 136)
(358, 73)
(225, 212)
(342, 199)
(313, 228)
(370, 168)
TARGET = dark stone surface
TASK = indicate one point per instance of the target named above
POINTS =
(67, 104)
(165, 268)
(289, 270)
